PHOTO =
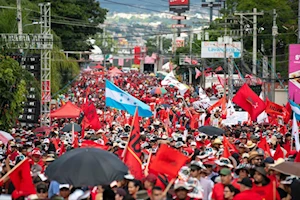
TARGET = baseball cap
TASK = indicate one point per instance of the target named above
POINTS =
(246, 182)
(225, 172)
(269, 160)
(151, 178)
(61, 186)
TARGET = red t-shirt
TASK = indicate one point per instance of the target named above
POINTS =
(266, 191)
(248, 195)
(218, 192)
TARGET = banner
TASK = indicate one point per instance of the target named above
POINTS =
(294, 72)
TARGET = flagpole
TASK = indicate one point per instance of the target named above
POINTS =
(148, 162)
(132, 123)
(168, 187)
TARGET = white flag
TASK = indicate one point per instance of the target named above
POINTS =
(230, 109)
(170, 79)
(295, 131)
(262, 117)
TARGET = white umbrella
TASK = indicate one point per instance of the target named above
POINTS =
(5, 137)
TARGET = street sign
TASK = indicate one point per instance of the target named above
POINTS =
(178, 25)
(179, 6)
(217, 50)
(179, 17)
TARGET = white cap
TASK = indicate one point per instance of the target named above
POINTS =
(193, 143)
(129, 177)
(46, 141)
(64, 186)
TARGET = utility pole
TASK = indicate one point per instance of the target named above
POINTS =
(178, 22)
(158, 54)
(191, 51)
(254, 22)
(265, 76)
(19, 20)
(161, 47)
(254, 59)
(230, 78)
(273, 75)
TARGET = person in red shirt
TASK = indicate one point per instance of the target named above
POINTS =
(264, 186)
(218, 191)
(246, 191)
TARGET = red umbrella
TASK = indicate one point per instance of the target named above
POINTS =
(98, 66)
(42, 129)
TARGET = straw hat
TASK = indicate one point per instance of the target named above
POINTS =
(253, 154)
(217, 141)
(250, 144)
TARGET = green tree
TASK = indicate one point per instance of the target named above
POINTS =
(14, 84)
(286, 22)
(63, 70)
(75, 21)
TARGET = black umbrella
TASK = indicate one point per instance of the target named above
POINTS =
(68, 127)
(211, 130)
(87, 167)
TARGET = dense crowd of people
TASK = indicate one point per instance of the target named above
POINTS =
(211, 172)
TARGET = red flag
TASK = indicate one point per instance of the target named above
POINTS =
(221, 102)
(90, 113)
(249, 101)
(226, 153)
(264, 145)
(168, 161)
(273, 108)
(231, 146)
(62, 148)
(198, 73)
(287, 111)
(133, 151)
(278, 153)
(55, 143)
(21, 179)
(218, 69)
(221, 80)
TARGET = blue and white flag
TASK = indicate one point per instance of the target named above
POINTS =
(121, 100)
(295, 131)
(296, 109)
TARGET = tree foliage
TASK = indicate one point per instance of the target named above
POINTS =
(14, 82)
(65, 70)
(74, 21)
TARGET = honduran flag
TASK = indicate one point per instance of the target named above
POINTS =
(121, 100)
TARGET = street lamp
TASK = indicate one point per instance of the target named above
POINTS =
(224, 41)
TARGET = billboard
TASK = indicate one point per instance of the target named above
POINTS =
(294, 72)
(217, 50)
(179, 6)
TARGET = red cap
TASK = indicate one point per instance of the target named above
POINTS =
(151, 178)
